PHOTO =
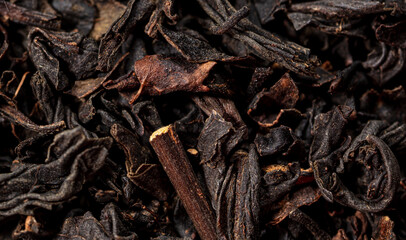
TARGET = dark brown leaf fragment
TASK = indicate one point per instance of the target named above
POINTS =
(12, 12)
(194, 48)
(268, 107)
(110, 226)
(119, 31)
(147, 176)
(216, 139)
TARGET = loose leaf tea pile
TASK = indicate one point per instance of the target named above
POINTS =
(202, 119)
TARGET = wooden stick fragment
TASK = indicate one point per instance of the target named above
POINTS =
(174, 160)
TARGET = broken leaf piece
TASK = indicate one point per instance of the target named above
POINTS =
(216, 139)
(159, 75)
(110, 226)
(301, 197)
(147, 176)
(268, 107)
(58, 54)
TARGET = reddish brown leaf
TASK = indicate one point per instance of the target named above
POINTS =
(267, 107)
(159, 75)
(304, 196)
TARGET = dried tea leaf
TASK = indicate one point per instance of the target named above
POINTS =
(395, 136)
(146, 117)
(300, 20)
(306, 221)
(12, 12)
(260, 42)
(301, 197)
(384, 64)
(164, 8)
(337, 18)
(266, 9)
(147, 176)
(110, 226)
(8, 110)
(225, 108)
(78, 14)
(119, 31)
(386, 105)
(259, 77)
(359, 225)
(215, 140)
(189, 128)
(392, 34)
(278, 140)
(327, 131)
(84, 88)
(328, 159)
(47, 100)
(109, 12)
(279, 180)
(9, 83)
(52, 54)
(382, 179)
(183, 224)
(87, 110)
(72, 160)
(152, 179)
(193, 47)
(340, 9)
(158, 75)
(267, 106)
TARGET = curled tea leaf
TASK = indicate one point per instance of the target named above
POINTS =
(52, 54)
(269, 108)
(72, 160)
(380, 173)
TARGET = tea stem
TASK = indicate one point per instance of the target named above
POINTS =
(174, 160)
